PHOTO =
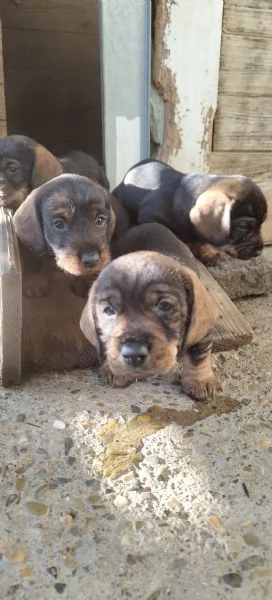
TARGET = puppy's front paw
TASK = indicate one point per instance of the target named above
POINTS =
(36, 287)
(212, 257)
(106, 375)
(200, 389)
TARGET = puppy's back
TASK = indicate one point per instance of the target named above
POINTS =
(153, 236)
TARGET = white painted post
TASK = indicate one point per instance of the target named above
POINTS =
(125, 33)
(193, 41)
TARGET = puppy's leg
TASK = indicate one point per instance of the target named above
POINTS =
(209, 255)
(198, 378)
(36, 276)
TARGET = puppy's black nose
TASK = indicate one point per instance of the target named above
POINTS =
(89, 259)
(134, 353)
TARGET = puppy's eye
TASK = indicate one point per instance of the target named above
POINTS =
(109, 311)
(164, 306)
(59, 224)
(100, 220)
(12, 168)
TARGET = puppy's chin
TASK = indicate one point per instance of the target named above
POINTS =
(73, 265)
(12, 198)
(160, 360)
(243, 251)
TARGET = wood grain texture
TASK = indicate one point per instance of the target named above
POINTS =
(52, 87)
(245, 65)
(10, 302)
(250, 17)
(2, 91)
(231, 329)
(256, 165)
(50, 50)
(55, 15)
(243, 123)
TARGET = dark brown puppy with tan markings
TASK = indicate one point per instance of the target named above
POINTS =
(213, 214)
(69, 222)
(25, 165)
(148, 309)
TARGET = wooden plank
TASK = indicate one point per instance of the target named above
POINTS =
(243, 123)
(2, 91)
(267, 226)
(184, 51)
(58, 15)
(71, 87)
(250, 17)
(256, 165)
(231, 330)
(50, 50)
(246, 65)
(10, 302)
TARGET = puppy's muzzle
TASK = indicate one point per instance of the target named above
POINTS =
(90, 259)
(134, 352)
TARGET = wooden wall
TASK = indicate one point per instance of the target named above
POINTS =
(242, 134)
(52, 72)
(3, 124)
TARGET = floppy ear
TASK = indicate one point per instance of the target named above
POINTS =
(46, 166)
(27, 226)
(204, 311)
(87, 322)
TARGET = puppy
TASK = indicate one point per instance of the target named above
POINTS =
(68, 221)
(26, 164)
(213, 214)
(147, 309)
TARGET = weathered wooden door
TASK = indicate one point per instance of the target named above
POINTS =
(217, 55)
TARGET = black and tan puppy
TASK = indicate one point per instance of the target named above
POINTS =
(213, 214)
(147, 309)
(71, 220)
(25, 165)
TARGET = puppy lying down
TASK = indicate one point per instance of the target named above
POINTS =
(148, 309)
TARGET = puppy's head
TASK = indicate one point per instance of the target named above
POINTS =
(71, 217)
(246, 218)
(24, 165)
(142, 309)
(229, 213)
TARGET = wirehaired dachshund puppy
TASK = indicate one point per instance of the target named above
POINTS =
(213, 214)
(147, 309)
(25, 165)
(69, 222)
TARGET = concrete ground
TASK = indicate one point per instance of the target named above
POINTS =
(104, 499)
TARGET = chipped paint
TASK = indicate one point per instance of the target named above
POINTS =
(185, 70)
(165, 80)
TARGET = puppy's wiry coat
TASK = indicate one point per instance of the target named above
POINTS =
(25, 165)
(68, 221)
(213, 214)
(145, 311)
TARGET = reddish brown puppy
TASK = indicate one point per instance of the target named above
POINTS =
(69, 222)
(25, 165)
(145, 311)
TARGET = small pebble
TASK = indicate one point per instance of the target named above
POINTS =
(68, 444)
(251, 562)
(37, 508)
(59, 424)
(26, 572)
(60, 587)
(11, 499)
(251, 539)
(120, 501)
(20, 418)
(234, 580)
(152, 459)
(53, 571)
(135, 409)
(16, 556)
